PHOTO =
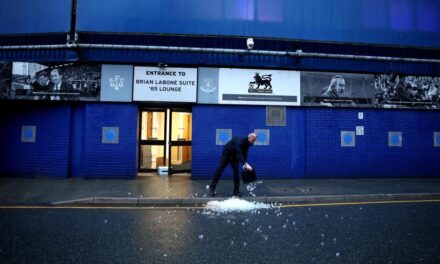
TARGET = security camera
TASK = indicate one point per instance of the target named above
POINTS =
(250, 43)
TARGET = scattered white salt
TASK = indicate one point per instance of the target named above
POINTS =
(235, 204)
(201, 237)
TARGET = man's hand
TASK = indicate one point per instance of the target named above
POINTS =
(248, 167)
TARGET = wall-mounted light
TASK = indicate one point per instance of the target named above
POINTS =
(250, 43)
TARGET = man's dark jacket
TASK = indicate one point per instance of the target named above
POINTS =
(237, 148)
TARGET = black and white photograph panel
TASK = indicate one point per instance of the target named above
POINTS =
(400, 91)
(55, 82)
(337, 89)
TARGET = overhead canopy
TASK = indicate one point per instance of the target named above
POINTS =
(387, 22)
(35, 17)
(394, 28)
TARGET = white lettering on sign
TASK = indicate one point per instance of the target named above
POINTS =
(169, 85)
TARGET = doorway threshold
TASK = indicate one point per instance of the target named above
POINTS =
(141, 175)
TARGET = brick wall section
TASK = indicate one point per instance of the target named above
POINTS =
(371, 157)
(91, 158)
(49, 155)
(283, 158)
(68, 141)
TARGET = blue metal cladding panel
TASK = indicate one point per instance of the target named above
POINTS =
(30, 16)
(371, 157)
(48, 156)
(93, 159)
(391, 22)
(234, 60)
(283, 158)
(54, 55)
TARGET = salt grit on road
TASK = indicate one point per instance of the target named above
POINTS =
(235, 204)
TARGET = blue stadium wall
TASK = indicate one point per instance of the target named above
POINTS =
(68, 140)
(49, 155)
(310, 143)
(89, 156)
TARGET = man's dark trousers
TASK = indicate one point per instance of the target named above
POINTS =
(227, 158)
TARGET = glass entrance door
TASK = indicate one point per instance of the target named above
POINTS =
(180, 149)
(165, 140)
(153, 140)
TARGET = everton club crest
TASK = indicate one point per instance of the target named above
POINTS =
(261, 84)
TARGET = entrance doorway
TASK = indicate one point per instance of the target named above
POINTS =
(165, 140)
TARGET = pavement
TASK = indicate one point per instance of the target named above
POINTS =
(183, 191)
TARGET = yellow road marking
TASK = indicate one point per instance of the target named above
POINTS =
(102, 207)
(203, 207)
(359, 203)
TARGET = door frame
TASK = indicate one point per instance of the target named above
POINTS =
(167, 143)
(151, 142)
(174, 143)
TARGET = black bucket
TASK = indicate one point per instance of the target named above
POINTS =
(248, 176)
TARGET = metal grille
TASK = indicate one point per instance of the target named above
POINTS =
(275, 116)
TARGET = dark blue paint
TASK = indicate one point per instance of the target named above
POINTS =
(96, 160)
(372, 157)
(48, 156)
(77, 132)
(283, 158)
(30, 16)
(53, 55)
(309, 145)
(274, 62)
(392, 22)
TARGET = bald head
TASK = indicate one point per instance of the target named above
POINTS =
(252, 137)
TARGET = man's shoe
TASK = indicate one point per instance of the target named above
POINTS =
(211, 191)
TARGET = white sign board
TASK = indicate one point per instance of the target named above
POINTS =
(259, 87)
(165, 84)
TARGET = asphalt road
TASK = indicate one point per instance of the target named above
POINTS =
(360, 233)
